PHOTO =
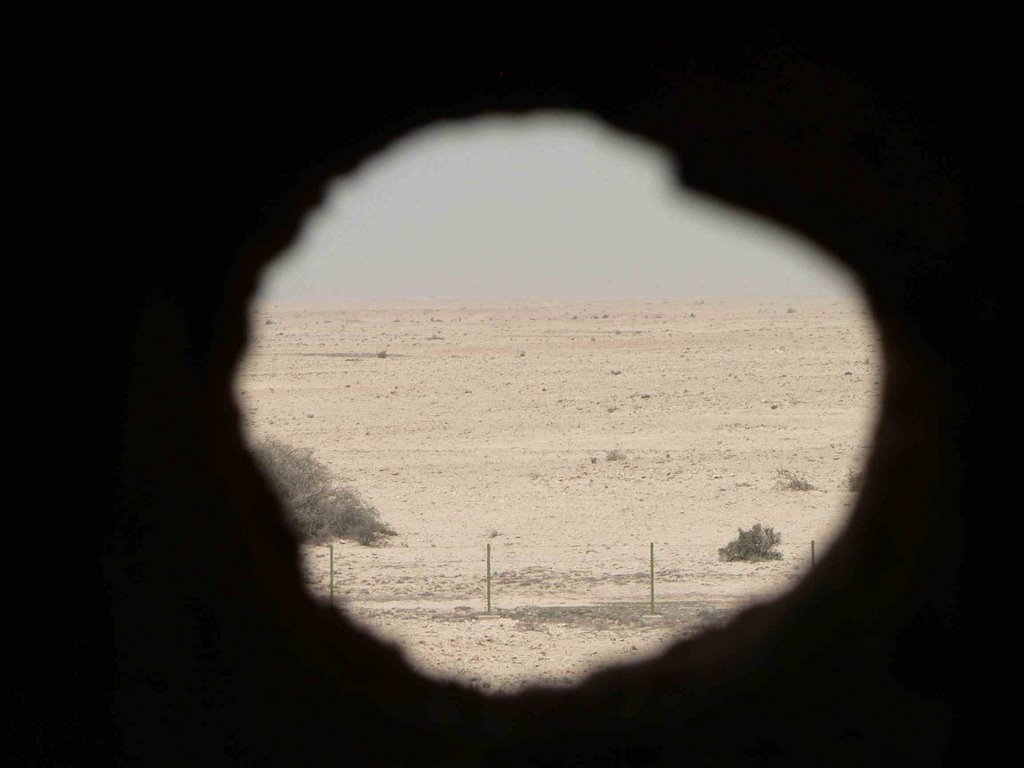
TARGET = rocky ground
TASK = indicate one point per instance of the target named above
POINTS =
(569, 436)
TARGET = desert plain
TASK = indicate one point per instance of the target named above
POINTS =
(569, 436)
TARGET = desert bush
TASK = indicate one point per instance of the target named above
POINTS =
(754, 545)
(318, 508)
(790, 481)
(854, 480)
(615, 455)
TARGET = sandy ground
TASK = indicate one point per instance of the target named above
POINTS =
(491, 423)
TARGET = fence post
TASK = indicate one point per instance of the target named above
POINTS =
(812, 553)
(488, 578)
(331, 546)
(652, 578)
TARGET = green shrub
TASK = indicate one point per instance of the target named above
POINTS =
(790, 481)
(754, 545)
(318, 508)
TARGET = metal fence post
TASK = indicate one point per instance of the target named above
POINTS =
(652, 578)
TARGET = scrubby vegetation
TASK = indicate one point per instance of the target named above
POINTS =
(754, 545)
(615, 455)
(790, 481)
(854, 480)
(318, 507)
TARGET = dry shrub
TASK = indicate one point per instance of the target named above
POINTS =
(318, 507)
(790, 481)
(854, 480)
(754, 545)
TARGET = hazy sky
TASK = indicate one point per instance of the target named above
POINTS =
(538, 207)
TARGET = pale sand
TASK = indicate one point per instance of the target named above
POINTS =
(491, 422)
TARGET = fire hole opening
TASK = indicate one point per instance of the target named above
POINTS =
(518, 348)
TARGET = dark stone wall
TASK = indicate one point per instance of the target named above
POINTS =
(188, 635)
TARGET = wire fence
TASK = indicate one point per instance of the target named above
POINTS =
(516, 574)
